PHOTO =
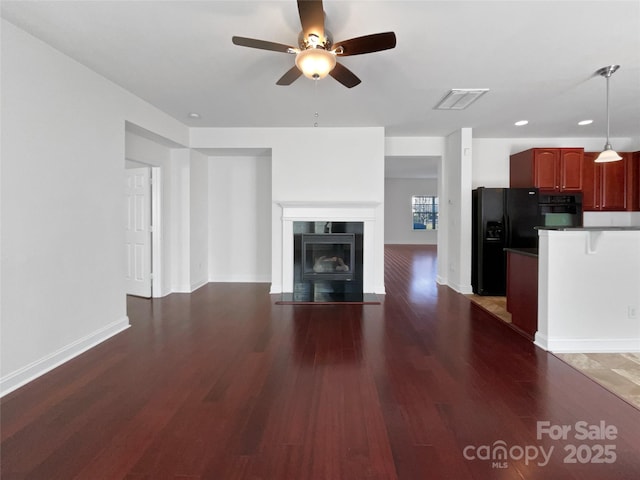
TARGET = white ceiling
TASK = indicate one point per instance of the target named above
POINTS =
(538, 59)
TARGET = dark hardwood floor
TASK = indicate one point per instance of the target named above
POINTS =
(225, 384)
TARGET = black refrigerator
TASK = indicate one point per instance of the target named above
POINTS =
(501, 218)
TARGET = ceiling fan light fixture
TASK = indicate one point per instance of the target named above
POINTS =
(608, 154)
(315, 63)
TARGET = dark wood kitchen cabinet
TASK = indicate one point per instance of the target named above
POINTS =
(635, 181)
(610, 186)
(522, 290)
(549, 169)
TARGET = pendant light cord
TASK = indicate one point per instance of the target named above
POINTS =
(315, 98)
(608, 77)
(608, 154)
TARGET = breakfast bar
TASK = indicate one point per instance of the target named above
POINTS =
(588, 289)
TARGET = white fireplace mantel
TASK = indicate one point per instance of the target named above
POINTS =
(366, 212)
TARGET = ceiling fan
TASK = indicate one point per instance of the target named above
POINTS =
(316, 53)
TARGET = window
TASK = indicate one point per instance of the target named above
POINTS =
(424, 209)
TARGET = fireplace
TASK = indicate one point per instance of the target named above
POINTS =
(328, 256)
(359, 218)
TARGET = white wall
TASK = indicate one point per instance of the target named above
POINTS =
(198, 220)
(63, 137)
(180, 185)
(337, 165)
(315, 165)
(457, 202)
(586, 283)
(398, 227)
(414, 146)
(240, 219)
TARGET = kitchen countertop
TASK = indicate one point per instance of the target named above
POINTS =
(529, 252)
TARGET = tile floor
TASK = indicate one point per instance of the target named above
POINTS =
(617, 372)
(495, 305)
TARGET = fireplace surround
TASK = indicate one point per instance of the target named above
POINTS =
(368, 214)
(327, 262)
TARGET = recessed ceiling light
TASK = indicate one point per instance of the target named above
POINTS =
(194, 115)
(585, 122)
(520, 123)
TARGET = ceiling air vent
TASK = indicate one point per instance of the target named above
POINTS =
(460, 98)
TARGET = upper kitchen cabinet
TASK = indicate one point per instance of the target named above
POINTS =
(611, 186)
(549, 169)
(634, 181)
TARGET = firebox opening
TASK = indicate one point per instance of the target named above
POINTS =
(328, 256)
(328, 264)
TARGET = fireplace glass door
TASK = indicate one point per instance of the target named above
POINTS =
(328, 256)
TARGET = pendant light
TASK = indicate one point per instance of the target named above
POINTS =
(608, 154)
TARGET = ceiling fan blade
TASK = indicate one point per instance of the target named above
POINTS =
(291, 76)
(366, 44)
(262, 44)
(344, 76)
(311, 17)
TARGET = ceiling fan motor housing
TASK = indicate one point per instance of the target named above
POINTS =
(312, 40)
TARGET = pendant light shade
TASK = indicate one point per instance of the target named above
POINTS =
(608, 154)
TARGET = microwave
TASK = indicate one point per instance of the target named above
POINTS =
(560, 209)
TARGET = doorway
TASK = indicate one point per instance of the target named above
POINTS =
(143, 252)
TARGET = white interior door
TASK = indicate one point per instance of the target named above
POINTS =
(138, 231)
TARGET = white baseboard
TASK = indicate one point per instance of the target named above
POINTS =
(24, 375)
(541, 341)
(593, 345)
(460, 288)
(199, 284)
(242, 278)
(181, 289)
(160, 293)
(380, 290)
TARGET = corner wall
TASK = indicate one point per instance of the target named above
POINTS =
(239, 219)
(457, 207)
(62, 204)
(314, 165)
